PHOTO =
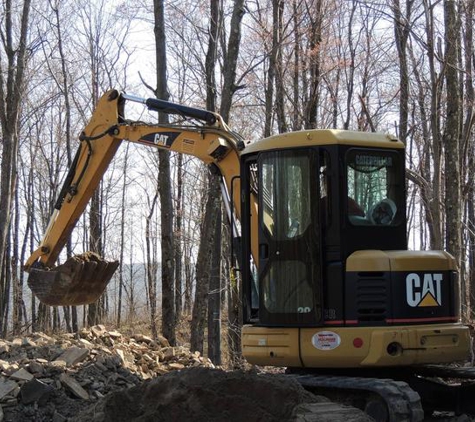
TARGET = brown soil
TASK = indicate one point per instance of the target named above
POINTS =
(202, 394)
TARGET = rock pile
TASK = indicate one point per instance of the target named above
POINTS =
(52, 378)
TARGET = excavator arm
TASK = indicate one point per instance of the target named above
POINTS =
(82, 279)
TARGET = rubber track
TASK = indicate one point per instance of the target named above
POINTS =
(403, 403)
(446, 372)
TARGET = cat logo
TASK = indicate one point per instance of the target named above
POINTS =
(161, 139)
(425, 292)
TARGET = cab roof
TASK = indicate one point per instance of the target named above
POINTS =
(315, 137)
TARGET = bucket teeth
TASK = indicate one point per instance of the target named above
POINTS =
(79, 281)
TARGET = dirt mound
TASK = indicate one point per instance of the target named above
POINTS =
(201, 394)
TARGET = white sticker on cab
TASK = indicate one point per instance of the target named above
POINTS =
(326, 340)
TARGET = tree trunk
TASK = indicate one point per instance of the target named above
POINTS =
(296, 83)
(12, 88)
(214, 295)
(275, 74)
(451, 137)
(468, 157)
(178, 241)
(205, 252)
(95, 245)
(70, 314)
(401, 32)
(122, 238)
(165, 188)
(314, 68)
(152, 267)
(279, 67)
(16, 279)
(230, 65)
(208, 231)
(228, 92)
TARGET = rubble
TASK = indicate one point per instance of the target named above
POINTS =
(52, 378)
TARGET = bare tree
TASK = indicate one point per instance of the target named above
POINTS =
(165, 189)
(178, 235)
(468, 153)
(13, 63)
(452, 134)
(214, 211)
(152, 264)
(401, 35)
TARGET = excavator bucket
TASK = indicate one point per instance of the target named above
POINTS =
(79, 281)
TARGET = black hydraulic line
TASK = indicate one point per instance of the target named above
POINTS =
(68, 187)
(113, 130)
(67, 181)
(233, 229)
(73, 188)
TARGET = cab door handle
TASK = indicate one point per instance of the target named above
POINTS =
(263, 251)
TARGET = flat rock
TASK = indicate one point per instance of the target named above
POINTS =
(43, 338)
(73, 355)
(21, 375)
(143, 338)
(115, 334)
(72, 385)
(85, 342)
(6, 387)
(58, 363)
(176, 366)
(98, 330)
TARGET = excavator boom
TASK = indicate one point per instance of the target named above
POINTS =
(83, 278)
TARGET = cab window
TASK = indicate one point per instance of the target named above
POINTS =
(373, 187)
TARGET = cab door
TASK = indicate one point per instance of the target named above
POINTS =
(289, 263)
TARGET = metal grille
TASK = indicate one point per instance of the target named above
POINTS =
(371, 297)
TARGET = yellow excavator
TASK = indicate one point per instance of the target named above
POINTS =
(329, 289)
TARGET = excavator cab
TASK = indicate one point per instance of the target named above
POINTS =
(316, 206)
